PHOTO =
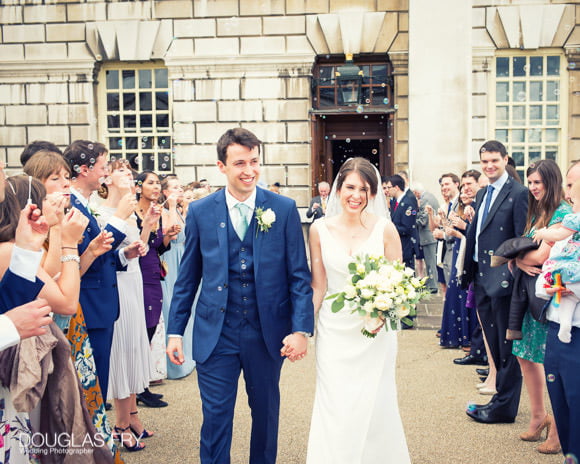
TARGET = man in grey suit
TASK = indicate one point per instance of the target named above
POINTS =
(426, 240)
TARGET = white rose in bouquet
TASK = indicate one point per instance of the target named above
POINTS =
(367, 293)
(349, 292)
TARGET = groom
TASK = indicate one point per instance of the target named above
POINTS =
(255, 303)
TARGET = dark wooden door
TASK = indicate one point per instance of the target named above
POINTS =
(337, 137)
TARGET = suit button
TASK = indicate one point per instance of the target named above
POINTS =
(219, 289)
(225, 285)
(242, 261)
(244, 266)
(222, 309)
(245, 298)
(243, 249)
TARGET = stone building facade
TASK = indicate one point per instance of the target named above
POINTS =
(159, 81)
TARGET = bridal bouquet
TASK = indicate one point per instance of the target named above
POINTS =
(380, 291)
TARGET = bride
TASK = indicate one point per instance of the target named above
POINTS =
(356, 416)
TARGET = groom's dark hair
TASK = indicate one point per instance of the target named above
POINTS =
(238, 136)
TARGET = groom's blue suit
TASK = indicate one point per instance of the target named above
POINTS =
(255, 291)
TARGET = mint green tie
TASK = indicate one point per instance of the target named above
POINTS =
(241, 225)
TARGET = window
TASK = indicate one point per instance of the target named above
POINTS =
(376, 86)
(135, 111)
(528, 107)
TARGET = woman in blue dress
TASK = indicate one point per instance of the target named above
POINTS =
(458, 321)
(172, 197)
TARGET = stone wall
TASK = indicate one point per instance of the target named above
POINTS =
(232, 62)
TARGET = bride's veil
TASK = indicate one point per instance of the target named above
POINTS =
(376, 205)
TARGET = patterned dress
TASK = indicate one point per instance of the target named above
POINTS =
(532, 346)
(82, 356)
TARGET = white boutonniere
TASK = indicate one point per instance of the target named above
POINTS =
(265, 219)
(93, 210)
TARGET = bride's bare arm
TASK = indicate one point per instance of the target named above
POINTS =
(392, 243)
(318, 271)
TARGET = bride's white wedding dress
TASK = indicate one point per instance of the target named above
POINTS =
(356, 415)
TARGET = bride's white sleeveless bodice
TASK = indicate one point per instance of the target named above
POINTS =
(356, 416)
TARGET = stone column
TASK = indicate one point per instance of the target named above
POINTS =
(439, 89)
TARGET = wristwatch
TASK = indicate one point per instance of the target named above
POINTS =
(306, 334)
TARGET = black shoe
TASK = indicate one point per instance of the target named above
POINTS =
(108, 406)
(484, 372)
(489, 416)
(470, 359)
(149, 394)
(483, 378)
(151, 402)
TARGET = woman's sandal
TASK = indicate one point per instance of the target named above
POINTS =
(144, 434)
(118, 435)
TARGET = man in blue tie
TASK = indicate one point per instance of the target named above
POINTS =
(500, 215)
(255, 303)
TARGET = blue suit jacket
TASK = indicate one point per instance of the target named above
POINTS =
(16, 291)
(506, 219)
(99, 297)
(281, 274)
(405, 219)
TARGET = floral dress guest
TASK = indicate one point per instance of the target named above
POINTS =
(546, 208)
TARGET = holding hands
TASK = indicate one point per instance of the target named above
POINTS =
(295, 346)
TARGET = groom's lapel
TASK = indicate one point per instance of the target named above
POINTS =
(221, 219)
(261, 202)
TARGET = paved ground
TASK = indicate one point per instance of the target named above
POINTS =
(433, 394)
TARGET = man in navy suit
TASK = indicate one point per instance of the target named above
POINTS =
(404, 216)
(99, 297)
(500, 215)
(255, 302)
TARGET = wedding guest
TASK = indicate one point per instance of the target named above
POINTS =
(498, 217)
(150, 223)
(22, 192)
(546, 208)
(148, 193)
(53, 171)
(426, 239)
(404, 216)
(450, 191)
(173, 197)
(317, 206)
(38, 146)
(457, 321)
(562, 360)
(99, 297)
(130, 354)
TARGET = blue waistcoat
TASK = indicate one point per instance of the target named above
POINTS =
(242, 303)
